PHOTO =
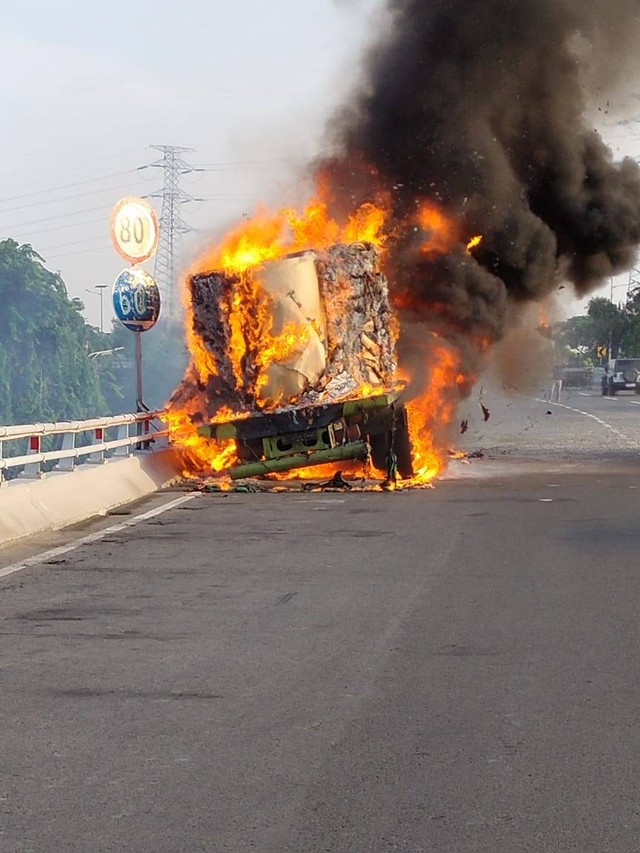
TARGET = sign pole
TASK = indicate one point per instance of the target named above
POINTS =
(136, 298)
(140, 406)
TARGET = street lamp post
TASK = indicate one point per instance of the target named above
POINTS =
(100, 288)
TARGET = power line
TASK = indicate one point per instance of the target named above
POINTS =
(79, 252)
(61, 227)
(21, 225)
(67, 186)
(70, 172)
(55, 217)
(72, 243)
(66, 198)
(231, 167)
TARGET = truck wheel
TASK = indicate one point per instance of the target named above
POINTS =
(396, 439)
(402, 444)
(379, 444)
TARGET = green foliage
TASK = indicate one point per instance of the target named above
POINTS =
(54, 366)
(45, 372)
(610, 323)
(164, 360)
(605, 324)
(577, 332)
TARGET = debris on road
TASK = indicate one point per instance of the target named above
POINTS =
(337, 482)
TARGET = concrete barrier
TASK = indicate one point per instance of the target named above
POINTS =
(63, 498)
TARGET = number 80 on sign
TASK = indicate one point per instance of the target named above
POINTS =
(134, 229)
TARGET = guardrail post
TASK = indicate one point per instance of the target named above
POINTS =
(142, 430)
(68, 443)
(98, 438)
(33, 469)
(147, 430)
(123, 432)
(1, 469)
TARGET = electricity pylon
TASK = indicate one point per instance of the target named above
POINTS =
(172, 225)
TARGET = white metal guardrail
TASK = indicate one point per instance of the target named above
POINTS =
(78, 440)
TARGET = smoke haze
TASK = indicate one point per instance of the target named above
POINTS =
(480, 107)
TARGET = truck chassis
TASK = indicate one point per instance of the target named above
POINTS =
(369, 428)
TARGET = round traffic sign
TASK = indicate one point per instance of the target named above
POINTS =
(136, 300)
(134, 229)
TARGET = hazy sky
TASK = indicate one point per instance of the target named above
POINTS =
(249, 85)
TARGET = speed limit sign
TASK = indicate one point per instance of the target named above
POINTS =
(134, 229)
(136, 300)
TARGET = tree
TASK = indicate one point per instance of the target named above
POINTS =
(631, 342)
(577, 332)
(45, 372)
(610, 323)
(605, 324)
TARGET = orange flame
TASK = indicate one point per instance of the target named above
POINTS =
(270, 236)
(266, 237)
(196, 453)
(441, 232)
(430, 414)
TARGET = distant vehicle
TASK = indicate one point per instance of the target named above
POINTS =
(623, 374)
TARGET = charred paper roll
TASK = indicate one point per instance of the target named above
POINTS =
(310, 327)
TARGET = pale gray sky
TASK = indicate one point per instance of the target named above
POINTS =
(89, 86)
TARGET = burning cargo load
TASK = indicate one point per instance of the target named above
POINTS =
(302, 364)
(317, 327)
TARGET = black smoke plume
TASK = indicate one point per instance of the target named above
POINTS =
(480, 107)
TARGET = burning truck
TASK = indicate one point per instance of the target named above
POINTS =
(294, 357)
(302, 364)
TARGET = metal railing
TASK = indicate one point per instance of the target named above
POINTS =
(89, 441)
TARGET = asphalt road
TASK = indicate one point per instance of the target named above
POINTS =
(450, 670)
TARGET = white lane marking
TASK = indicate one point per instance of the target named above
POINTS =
(635, 402)
(593, 417)
(95, 537)
(611, 399)
(584, 394)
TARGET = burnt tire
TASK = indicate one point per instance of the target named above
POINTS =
(379, 444)
(391, 445)
(402, 444)
(395, 439)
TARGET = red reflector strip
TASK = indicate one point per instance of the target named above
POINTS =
(99, 434)
(34, 444)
